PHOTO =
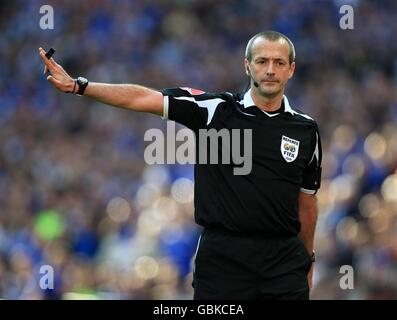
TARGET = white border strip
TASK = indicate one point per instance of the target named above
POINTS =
(165, 108)
(308, 191)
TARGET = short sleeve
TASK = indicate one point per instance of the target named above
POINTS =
(190, 107)
(312, 173)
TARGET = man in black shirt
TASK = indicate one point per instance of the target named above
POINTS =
(259, 223)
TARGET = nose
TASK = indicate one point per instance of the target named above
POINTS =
(270, 69)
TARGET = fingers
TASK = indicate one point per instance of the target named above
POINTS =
(44, 58)
(55, 82)
(49, 63)
(59, 78)
(310, 278)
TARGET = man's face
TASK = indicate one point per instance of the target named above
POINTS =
(270, 66)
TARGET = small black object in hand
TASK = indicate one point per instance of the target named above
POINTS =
(50, 53)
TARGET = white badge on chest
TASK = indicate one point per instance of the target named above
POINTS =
(289, 148)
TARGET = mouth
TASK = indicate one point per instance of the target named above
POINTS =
(269, 82)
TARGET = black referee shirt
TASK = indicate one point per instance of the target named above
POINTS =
(286, 160)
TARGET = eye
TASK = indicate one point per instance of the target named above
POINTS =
(281, 63)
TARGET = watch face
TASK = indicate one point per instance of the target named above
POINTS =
(82, 81)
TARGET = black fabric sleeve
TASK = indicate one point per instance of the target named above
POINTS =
(190, 107)
(312, 173)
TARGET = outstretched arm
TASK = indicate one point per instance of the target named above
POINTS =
(128, 96)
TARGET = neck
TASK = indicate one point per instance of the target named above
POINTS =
(267, 103)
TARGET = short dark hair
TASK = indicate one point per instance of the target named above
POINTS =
(271, 36)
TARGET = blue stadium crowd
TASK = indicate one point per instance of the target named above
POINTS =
(78, 201)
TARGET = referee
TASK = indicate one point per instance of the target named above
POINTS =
(259, 227)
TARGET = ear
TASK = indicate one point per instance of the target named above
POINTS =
(246, 67)
(291, 70)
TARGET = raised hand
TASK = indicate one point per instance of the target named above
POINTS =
(59, 78)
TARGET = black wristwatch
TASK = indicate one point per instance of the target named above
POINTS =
(83, 83)
(313, 256)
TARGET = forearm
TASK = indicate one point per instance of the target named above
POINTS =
(128, 96)
(308, 213)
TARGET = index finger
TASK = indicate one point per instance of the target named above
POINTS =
(48, 62)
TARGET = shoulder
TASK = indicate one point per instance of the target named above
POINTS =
(301, 116)
(196, 94)
(305, 121)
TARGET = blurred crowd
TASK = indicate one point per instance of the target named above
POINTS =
(76, 194)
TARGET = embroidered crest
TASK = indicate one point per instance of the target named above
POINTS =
(289, 148)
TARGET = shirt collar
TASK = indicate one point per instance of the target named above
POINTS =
(249, 102)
